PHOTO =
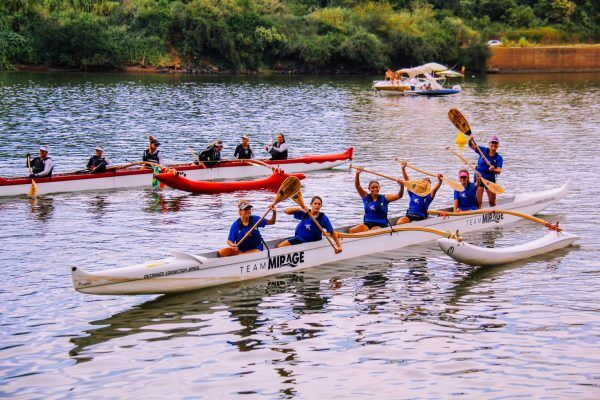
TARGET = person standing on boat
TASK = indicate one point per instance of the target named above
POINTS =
(42, 165)
(279, 149)
(152, 154)
(485, 171)
(211, 155)
(97, 163)
(307, 231)
(243, 150)
(418, 206)
(254, 242)
(376, 205)
(467, 199)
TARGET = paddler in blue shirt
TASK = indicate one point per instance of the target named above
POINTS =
(467, 199)
(376, 205)
(254, 242)
(488, 172)
(307, 231)
(418, 206)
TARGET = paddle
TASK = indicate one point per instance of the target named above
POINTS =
(300, 201)
(385, 231)
(200, 163)
(262, 163)
(450, 182)
(33, 187)
(491, 186)
(549, 225)
(460, 122)
(290, 186)
(420, 188)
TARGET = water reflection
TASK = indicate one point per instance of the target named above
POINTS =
(159, 202)
(41, 207)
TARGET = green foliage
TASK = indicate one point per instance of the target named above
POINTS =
(306, 35)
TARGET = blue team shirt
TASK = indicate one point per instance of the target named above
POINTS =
(307, 231)
(482, 166)
(376, 211)
(418, 205)
(238, 230)
(467, 199)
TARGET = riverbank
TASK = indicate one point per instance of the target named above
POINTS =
(571, 58)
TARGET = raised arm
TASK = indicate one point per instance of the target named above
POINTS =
(361, 192)
(404, 174)
(273, 218)
(396, 196)
(437, 186)
(292, 210)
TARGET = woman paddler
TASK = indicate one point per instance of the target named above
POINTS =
(376, 205)
(467, 199)
(307, 231)
(254, 242)
(418, 206)
(487, 172)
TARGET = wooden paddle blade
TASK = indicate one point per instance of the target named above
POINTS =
(298, 199)
(290, 186)
(492, 186)
(420, 188)
(454, 184)
(459, 121)
(33, 188)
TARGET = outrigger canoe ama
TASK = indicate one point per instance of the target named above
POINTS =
(128, 178)
(184, 272)
(178, 181)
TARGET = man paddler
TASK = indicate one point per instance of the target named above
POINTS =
(41, 166)
(486, 171)
(98, 162)
(279, 148)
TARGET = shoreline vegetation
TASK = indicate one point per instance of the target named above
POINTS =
(277, 36)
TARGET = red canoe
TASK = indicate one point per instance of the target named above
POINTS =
(178, 181)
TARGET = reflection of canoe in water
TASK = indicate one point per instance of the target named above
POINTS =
(468, 254)
(136, 176)
(184, 272)
(178, 181)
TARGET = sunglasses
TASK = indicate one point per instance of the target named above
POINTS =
(462, 177)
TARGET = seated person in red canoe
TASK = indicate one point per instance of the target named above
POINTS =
(41, 166)
(279, 148)
(307, 230)
(211, 155)
(97, 163)
(237, 241)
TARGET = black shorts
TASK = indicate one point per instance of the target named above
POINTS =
(294, 240)
(482, 185)
(372, 225)
(414, 217)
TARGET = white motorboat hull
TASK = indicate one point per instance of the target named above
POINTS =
(482, 256)
(185, 272)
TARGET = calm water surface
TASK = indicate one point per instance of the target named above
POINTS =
(405, 324)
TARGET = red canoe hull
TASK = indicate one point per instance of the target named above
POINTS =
(178, 181)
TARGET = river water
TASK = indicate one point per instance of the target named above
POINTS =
(406, 324)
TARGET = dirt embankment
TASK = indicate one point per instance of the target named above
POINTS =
(576, 58)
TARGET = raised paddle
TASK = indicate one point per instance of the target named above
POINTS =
(33, 187)
(420, 188)
(460, 122)
(300, 201)
(450, 182)
(290, 186)
(491, 186)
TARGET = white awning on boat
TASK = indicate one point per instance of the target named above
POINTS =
(429, 68)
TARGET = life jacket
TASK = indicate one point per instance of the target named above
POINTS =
(38, 165)
(210, 155)
(151, 157)
(279, 156)
(95, 161)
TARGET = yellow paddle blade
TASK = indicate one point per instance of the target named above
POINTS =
(298, 199)
(33, 188)
(420, 188)
(454, 184)
(459, 121)
(290, 187)
(492, 186)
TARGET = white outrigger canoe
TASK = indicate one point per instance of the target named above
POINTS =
(140, 176)
(184, 272)
(483, 256)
